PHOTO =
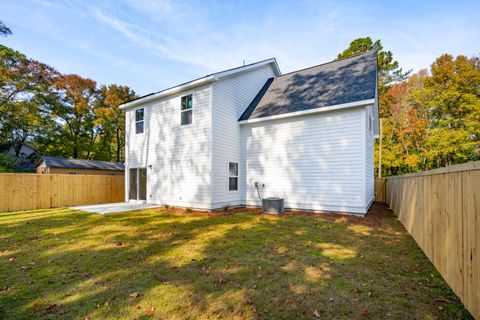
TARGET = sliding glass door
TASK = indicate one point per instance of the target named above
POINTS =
(138, 184)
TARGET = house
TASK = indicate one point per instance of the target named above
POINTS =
(27, 156)
(57, 165)
(25, 151)
(233, 137)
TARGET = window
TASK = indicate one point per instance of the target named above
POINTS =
(139, 121)
(186, 109)
(232, 176)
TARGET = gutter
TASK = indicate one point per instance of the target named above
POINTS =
(310, 111)
(168, 92)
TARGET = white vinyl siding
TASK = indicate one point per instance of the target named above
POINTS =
(369, 145)
(320, 161)
(231, 97)
(177, 157)
(314, 162)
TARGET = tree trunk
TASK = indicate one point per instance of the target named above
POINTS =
(75, 149)
(119, 147)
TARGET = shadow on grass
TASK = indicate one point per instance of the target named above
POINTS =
(77, 265)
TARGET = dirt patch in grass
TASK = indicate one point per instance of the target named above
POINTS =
(374, 217)
(239, 264)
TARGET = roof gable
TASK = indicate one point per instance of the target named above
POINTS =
(340, 82)
(202, 81)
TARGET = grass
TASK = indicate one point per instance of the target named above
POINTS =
(166, 264)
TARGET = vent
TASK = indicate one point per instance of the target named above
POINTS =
(273, 205)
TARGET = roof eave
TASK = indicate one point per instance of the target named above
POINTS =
(168, 92)
(310, 111)
(38, 162)
(202, 81)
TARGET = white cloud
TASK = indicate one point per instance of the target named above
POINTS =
(195, 39)
(217, 35)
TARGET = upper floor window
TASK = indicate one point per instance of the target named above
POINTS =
(139, 120)
(186, 109)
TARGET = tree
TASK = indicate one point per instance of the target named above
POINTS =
(111, 120)
(4, 30)
(6, 163)
(405, 127)
(432, 119)
(389, 70)
(452, 94)
(71, 104)
(22, 82)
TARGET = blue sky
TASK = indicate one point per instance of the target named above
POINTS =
(151, 45)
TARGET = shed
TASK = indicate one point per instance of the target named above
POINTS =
(58, 165)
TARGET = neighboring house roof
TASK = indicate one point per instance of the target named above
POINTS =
(57, 162)
(24, 148)
(200, 81)
(340, 82)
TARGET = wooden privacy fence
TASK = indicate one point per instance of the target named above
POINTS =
(26, 191)
(441, 210)
(380, 189)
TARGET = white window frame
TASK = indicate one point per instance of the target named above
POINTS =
(142, 121)
(186, 110)
(229, 176)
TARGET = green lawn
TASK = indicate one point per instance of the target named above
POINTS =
(166, 264)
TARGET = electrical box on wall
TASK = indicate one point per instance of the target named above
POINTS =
(259, 185)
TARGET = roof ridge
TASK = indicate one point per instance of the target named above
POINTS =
(63, 158)
(325, 63)
(203, 77)
(245, 65)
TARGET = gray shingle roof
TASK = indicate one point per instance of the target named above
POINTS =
(337, 82)
(57, 162)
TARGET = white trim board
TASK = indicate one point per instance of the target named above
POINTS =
(310, 111)
(205, 80)
(168, 92)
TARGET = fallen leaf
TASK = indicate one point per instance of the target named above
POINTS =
(11, 259)
(316, 314)
(364, 314)
(150, 311)
(51, 306)
(135, 295)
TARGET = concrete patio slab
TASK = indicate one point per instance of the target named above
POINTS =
(115, 207)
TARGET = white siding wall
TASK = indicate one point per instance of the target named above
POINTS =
(369, 145)
(179, 155)
(231, 97)
(314, 162)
